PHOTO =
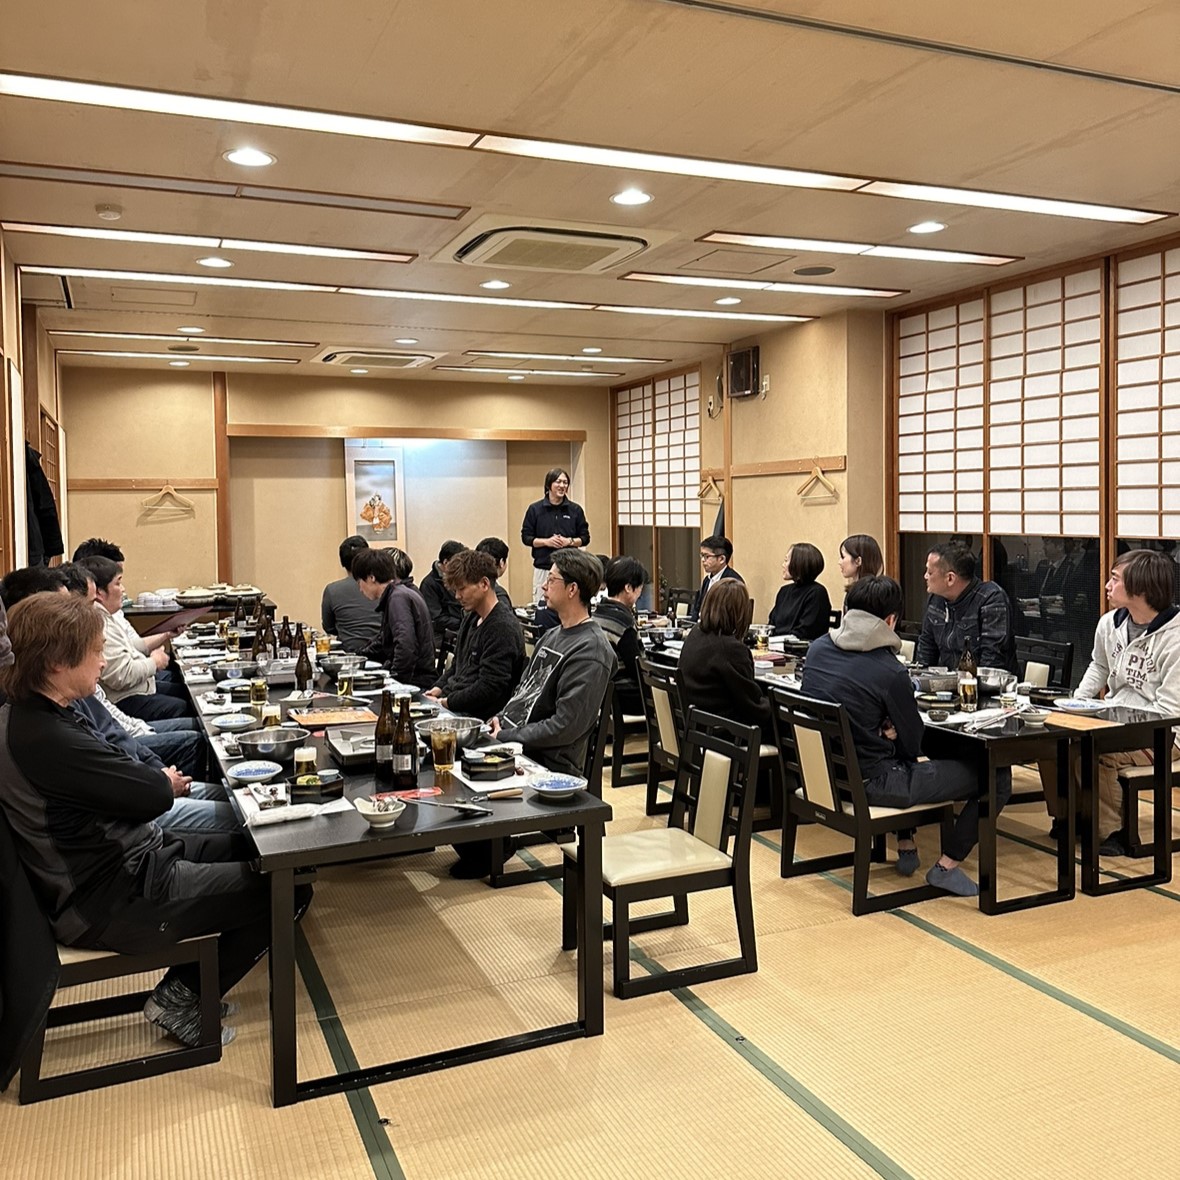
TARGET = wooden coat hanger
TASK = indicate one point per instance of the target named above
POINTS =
(816, 477)
(710, 493)
(167, 497)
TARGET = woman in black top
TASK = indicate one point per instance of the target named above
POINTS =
(802, 606)
(716, 669)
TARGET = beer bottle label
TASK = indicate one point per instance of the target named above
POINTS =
(385, 753)
(402, 763)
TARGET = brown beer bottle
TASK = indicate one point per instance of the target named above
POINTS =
(239, 611)
(383, 739)
(405, 746)
(303, 668)
(256, 646)
(967, 665)
(285, 641)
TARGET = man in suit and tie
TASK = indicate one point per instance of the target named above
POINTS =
(716, 553)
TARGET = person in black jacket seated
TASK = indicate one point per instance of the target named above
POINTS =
(615, 614)
(497, 550)
(802, 606)
(445, 612)
(489, 653)
(964, 612)
(716, 554)
(405, 644)
(83, 817)
(716, 669)
(857, 666)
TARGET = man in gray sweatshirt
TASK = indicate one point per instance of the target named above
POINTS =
(558, 700)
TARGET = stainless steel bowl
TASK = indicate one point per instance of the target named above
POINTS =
(238, 668)
(467, 729)
(274, 742)
(993, 677)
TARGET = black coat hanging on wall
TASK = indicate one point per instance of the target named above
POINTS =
(44, 527)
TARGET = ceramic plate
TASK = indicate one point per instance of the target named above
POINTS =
(258, 771)
(1079, 705)
(234, 722)
(557, 786)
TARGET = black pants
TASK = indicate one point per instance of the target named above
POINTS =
(941, 780)
(213, 890)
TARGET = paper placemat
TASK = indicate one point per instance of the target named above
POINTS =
(1080, 721)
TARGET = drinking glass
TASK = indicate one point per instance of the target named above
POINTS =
(323, 644)
(272, 714)
(258, 691)
(223, 628)
(233, 642)
(305, 758)
(1008, 692)
(442, 746)
(761, 637)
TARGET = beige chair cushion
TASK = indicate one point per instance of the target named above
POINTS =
(653, 854)
(767, 750)
(881, 812)
(906, 650)
(1037, 674)
(69, 956)
(634, 719)
(1132, 773)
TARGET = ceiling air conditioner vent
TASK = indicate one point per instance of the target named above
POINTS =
(378, 359)
(536, 248)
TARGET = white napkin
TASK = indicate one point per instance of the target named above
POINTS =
(257, 818)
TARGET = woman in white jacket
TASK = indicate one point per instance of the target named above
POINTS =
(1137, 661)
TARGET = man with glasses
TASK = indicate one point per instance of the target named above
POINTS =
(716, 552)
(553, 523)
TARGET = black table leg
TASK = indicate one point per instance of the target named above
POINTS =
(589, 884)
(1088, 813)
(1161, 795)
(1067, 795)
(283, 1068)
(987, 833)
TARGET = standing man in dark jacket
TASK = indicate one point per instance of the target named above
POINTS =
(553, 522)
(445, 612)
(964, 612)
(716, 554)
(489, 653)
(857, 666)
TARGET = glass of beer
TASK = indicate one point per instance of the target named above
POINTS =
(968, 694)
(442, 746)
(323, 644)
(272, 714)
(761, 637)
(233, 642)
(305, 760)
(258, 691)
(223, 628)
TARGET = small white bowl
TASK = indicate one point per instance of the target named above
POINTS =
(1035, 718)
(380, 819)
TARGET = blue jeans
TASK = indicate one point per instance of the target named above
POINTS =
(204, 809)
(177, 725)
(152, 706)
(185, 750)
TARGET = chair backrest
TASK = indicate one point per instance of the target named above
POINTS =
(662, 709)
(816, 743)
(722, 780)
(1044, 658)
(906, 650)
(834, 617)
(679, 602)
(909, 629)
(532, 633)
(596, 743)
(446, 648)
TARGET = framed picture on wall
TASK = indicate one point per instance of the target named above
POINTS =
(375, 496)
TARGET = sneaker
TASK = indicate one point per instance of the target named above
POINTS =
(177, 1010)
(951, 881)
(907, 862)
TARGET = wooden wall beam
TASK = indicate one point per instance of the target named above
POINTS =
(777, 467)
(141, 484)
(297, 430)
(221, 466)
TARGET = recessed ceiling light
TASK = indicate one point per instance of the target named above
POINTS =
(249, 157)
(591, 350)
(756, 285)
(172, 364)
(109, 212)
(562, 356)
(192, 331)
(823, 246)
(495, 285)
(405, 340)
(727, 301)
(214, 262)
(359, 372)
(515, 376)
(814, 271)
(631, 196)
(927, 227)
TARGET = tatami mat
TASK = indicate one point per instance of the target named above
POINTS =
(928, 1042)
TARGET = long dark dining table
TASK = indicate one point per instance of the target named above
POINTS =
(297, 850)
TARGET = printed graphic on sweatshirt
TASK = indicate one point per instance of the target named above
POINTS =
(519, 710)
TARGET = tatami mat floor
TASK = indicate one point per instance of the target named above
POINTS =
(929, 1042)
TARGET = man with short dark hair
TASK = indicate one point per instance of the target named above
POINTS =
(1136, 661)
(344, 611)
(445, 612)
(716, 554)
(553, 711)
(405, 644)
(856, 665)
(553, 522)
(98, 547)
(963, 611)
(489, 652)
(615, 614)
(497, 550)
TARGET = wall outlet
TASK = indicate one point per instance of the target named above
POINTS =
(765, 387)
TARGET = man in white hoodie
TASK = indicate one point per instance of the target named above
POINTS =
(1137, 661)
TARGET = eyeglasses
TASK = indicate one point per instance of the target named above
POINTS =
(711, 556)
(552, 578)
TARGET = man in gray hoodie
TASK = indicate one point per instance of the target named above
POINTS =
(857, 666)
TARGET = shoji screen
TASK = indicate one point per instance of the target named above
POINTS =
(657, 445)
(1147, 379)
(1043, 406)
(940, 420)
